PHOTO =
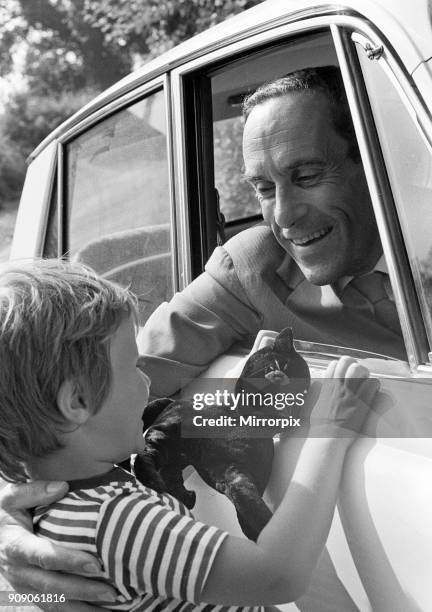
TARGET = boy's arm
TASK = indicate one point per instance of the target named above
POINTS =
(278, 567)
(32, 564)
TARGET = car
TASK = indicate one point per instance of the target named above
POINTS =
(146, 180)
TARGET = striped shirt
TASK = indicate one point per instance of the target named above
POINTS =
(152, 550)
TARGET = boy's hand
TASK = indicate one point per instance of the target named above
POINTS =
(32, 564)
(344, 402)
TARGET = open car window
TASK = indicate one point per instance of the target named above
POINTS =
(227, 85)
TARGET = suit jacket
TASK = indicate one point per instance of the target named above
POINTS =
(249, 284)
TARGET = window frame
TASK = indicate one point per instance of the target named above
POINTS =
(35, 204)
(161, 83)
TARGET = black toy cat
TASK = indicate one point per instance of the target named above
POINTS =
(236, 466)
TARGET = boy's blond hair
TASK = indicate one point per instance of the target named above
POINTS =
(55, 319)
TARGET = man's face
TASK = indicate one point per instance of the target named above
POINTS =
(313, 196)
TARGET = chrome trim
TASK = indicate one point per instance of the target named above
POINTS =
(373, 51)
(266, 37)
(424, 371)
(170, 160)
(40, 245)
(306, 346)
(112, 107)
(336, 351)
(182, 209)
(61, 204)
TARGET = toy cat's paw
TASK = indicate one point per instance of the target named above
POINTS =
(276, 376)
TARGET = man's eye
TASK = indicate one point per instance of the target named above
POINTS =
(309, 178)
(264, 190)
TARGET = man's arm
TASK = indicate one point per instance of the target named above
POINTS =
(182, 337)
(32, 564)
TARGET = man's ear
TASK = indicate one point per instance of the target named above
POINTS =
(72, 402)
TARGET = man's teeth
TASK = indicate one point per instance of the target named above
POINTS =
(305, 239)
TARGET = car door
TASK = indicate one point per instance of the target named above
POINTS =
(381, 539)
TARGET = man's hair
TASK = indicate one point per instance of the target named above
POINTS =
(56, 319)
(324, 79)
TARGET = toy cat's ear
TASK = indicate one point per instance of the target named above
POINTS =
(72, 402)
(284, 342)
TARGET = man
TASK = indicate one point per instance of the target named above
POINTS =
(302, 160)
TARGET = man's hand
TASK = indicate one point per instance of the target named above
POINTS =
(32, 564)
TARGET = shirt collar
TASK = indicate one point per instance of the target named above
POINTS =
(380, 266)
(117, 474)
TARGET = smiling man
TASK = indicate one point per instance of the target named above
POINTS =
(311, 186)
(301, 267)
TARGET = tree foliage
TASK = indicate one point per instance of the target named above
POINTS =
(62, 48)
(149, 27)
(71, 49)
(25, 122)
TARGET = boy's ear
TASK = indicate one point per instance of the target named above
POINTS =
(72, 402)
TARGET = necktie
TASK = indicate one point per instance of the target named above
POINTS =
(369, 295)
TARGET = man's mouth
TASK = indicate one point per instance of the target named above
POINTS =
(310, 238)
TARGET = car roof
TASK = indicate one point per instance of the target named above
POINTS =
(406, 25)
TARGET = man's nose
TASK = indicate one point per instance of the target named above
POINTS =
(289, 205)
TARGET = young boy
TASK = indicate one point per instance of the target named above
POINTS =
(72, 399)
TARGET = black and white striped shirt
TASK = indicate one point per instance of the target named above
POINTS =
(153, 551)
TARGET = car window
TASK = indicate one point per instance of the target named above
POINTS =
(118, 201)
(408, 157)
(223, 87)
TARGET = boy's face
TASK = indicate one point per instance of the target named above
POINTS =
(117, 427)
